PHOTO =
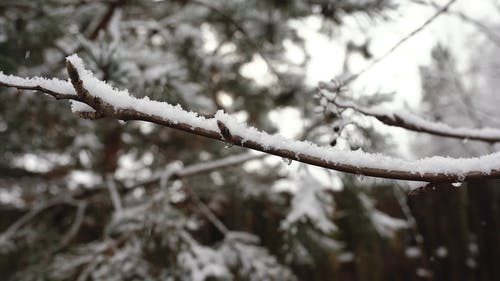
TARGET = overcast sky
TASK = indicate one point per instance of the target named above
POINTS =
(400, 71)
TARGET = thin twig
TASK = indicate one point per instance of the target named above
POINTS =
(106, 18)
(201, 168)
(13, 228)
(75, 227)
(205, 210)
(417, 124)
(113, 192)
(491, 35)
(399, 43)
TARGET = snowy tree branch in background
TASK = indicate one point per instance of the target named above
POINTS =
(94, 98)
(204, 209)
(412, 122)
(202, 168)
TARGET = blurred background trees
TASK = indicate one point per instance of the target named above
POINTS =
(102, 200)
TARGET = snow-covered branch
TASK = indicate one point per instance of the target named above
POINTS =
(412, 122)
(200, 168)
(91, 97)
(59, 89)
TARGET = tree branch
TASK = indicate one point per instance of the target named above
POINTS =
(75, 227)
(120, 105)
(34, 85)
(106, 18)
(113, 193)
(202, 168)
(10, 232)
(415, 123)
(204, 209)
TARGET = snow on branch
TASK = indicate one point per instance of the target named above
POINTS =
(102, 100)
(174, 171)
(412, 122)
(59, 89)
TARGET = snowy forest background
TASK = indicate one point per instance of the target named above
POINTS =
(111, 200)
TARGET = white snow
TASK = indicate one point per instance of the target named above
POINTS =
(417, 121)
(384, 224)
(442, 127)
(79, 178)
(346, 257)
(412, 252)
(424, 273)
(123, 100)
(441, 252)
(310, 204)
(54, 84)
(241, 251)
(202, 263)
(437, 164)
